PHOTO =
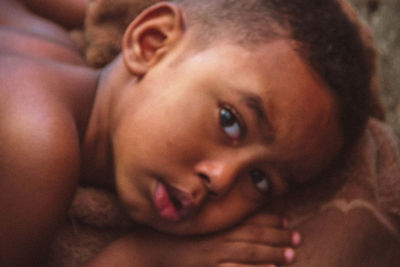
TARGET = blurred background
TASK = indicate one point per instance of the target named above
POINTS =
(383, 17)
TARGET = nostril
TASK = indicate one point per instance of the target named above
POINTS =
(212, 194)
(207, 182)
(205, 178)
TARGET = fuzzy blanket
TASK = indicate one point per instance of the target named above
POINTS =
(351, 217)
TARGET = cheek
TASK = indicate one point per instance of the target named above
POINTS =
(226, 212)
(153, 139)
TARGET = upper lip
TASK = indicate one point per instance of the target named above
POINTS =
(183, 201)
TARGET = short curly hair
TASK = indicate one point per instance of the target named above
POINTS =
(326, 38)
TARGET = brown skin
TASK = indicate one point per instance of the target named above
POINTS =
(45, 105)
(14, 15)
(62, 122)
(253, 243)
(180, 151)
(166, 129)
(70, 14)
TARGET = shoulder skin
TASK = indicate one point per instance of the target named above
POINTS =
(46, 97)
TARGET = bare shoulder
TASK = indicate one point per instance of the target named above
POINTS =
(26, 33)
(46, 83)
(44, 101)
(33, 99)
(39, 154)
(39, 135)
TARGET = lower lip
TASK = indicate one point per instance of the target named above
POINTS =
(163, 203)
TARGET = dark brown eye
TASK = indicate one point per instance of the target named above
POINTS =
(261, 181)
(230, 123)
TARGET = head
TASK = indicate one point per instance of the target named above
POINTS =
(229, 104)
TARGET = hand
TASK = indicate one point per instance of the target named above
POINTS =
(261, 240)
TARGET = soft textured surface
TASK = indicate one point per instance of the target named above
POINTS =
(95, 220)
(383, 18)
(352, 218)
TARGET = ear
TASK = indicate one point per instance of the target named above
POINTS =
(150, 36)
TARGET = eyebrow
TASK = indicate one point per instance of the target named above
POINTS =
(255, 103)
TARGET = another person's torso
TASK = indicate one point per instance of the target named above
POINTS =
(38, 58)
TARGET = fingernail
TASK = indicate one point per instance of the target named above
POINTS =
(289, 255)
(296, 239)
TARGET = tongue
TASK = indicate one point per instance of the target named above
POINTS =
(164, 205)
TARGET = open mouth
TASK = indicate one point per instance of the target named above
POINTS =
(171, 204)
(175, 201)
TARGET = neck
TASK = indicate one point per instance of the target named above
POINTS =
(97, 155)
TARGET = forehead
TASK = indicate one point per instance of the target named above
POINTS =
(264, 66)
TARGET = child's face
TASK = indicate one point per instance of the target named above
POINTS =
(202, 143)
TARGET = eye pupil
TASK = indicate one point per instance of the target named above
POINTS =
(230, 123)
(261, 181)
(227, 118)
(257, 175)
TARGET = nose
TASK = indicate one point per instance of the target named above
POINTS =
(218, 176)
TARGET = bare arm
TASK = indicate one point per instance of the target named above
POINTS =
(259, 241)
(17, 17)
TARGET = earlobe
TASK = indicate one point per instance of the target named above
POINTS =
(150, 36)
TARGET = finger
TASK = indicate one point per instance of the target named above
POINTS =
(245, 253)
(265, 236)
(266, 219)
